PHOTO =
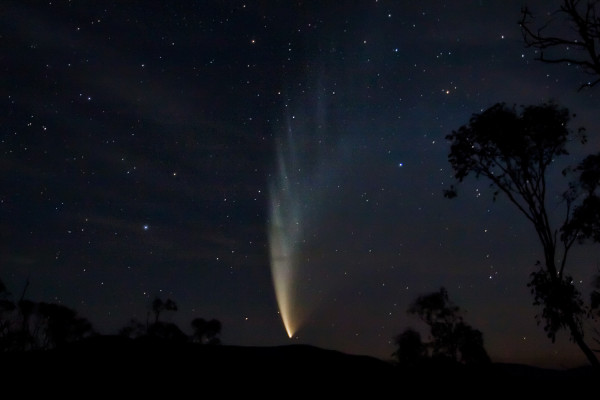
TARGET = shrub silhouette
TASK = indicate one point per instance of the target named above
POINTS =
(166, 331)
(205, 332)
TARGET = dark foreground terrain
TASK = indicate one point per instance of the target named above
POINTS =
(118, 367)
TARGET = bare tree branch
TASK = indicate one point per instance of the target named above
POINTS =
(583, 20)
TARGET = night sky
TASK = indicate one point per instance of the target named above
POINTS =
(142, 144)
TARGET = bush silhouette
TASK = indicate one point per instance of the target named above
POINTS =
(205, 332)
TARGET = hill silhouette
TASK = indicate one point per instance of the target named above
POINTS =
(149, 366)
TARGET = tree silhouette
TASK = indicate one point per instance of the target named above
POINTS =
(27, 325)
(159, 306)
(411, 351)
(58, 325)
(7, 308)
(27, 309)
(585, 224)
(3, 290)
(133, 329)
(595, 307)
(164, 331)
(470, 344)
(167, 332)
(514, 152)
(452, 340)
(205, 332)
(577, 45)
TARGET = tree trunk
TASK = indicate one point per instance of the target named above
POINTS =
(578, 338)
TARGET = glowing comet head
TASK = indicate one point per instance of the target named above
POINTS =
(282, 271)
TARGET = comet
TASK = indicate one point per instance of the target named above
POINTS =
(297, 192)
(284, 234)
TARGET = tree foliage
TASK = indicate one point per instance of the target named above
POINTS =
(514, 151)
